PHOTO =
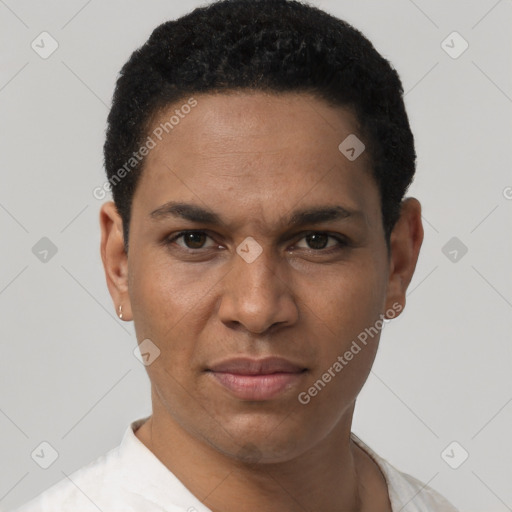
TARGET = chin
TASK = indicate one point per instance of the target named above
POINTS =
(271, 443)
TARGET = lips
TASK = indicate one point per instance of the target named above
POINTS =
(257, 379)
(245, 366)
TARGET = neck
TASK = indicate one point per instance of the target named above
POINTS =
(325, 477)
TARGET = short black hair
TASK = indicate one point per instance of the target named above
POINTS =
(262, 45)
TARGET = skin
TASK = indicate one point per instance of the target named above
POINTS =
(253, 158)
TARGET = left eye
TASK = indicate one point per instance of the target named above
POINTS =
(319, 240)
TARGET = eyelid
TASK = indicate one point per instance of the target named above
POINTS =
(302, 234)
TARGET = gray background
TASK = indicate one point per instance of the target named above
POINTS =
(68, 375)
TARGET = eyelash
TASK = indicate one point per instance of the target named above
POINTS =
(342, 241)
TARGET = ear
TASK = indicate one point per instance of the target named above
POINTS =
(114, 257)
(405, 243)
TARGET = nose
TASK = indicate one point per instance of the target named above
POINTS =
(258, 295)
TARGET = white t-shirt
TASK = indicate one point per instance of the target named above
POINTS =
(130, 478)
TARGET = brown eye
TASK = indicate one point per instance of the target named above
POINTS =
(191, 240)
(194, 240)
(318, 241)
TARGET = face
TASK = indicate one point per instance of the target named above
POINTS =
(256, 259)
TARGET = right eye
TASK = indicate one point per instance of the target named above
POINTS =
(193, 240)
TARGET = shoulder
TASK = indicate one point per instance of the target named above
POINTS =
(406, 493)
(128, 478)
(84, 490)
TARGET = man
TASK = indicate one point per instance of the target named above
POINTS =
(259, 153)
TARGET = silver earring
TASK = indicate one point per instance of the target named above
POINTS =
(120, 312)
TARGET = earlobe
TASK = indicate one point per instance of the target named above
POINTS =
(405, 243)
(114, 257)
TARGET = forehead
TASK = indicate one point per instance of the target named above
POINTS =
(258, 122)
(254, 152)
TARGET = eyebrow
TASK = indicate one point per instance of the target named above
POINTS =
(197, 214)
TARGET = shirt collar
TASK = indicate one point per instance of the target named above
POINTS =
(143, 474)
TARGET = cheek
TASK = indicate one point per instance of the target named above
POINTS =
(171, 305)
(346, 299)
(346, 306)
(163, 291)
